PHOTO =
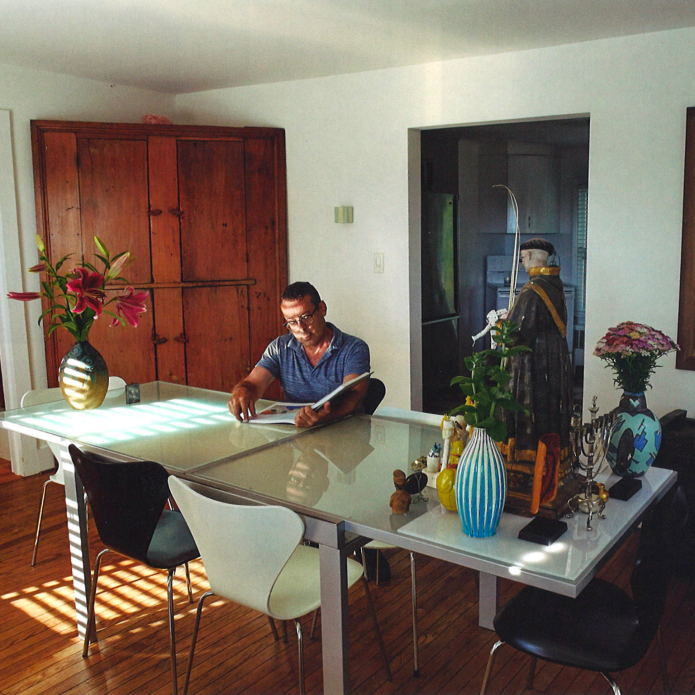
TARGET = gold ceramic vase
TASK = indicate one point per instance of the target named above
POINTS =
(83, 377)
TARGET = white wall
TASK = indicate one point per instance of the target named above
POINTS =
(347, 144)
(35, 95)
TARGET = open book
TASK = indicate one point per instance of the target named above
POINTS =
(283, 413)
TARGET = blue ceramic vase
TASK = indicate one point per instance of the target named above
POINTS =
(481, 486)
(637, 438)
(83, 377)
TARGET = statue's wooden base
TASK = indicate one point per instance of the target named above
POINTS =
(520, 484)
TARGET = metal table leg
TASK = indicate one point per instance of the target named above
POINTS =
(78, 540)
(487, 600)
(334, 622)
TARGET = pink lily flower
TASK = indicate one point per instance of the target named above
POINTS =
(38, 268)
(24, 296)
(88, 288)
(129, 306)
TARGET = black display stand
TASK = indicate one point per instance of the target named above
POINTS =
(624, 489)
(543, 531)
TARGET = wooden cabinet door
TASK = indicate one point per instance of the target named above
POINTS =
(217, 336)
(99, 187)
(535, 180)
(203, 211)
(214, 261)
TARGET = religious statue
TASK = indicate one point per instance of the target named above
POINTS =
(542, 382)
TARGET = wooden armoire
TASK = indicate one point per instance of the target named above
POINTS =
(202, 210)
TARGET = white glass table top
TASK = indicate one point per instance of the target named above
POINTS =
(178, 426)
(342, 473)
(345, 472)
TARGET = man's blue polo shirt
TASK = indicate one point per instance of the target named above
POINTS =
(286, 360)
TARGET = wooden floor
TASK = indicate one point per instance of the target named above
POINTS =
(40, 652)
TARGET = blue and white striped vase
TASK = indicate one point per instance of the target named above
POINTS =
(481, 485)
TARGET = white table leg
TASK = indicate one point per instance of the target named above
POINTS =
(334, 622)
(77, 538)
(487, 600)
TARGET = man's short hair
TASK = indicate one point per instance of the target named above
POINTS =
(299, 290)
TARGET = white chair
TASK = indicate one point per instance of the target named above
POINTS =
(38, 397)
(253, 556)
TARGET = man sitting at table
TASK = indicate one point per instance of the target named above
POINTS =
(311, 360)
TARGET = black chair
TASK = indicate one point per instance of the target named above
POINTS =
(375, 394)
(603, 629)
(128, 502)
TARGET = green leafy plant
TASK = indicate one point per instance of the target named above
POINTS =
(487, 388)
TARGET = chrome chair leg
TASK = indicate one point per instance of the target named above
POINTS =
(91, 622)
(198, 613)
(662, 661)
(273, 629)
(300, 643)
(172, 634)
(531, 673)
(38, 522)
(188, 584)
(372, 612)
(612, 683)
(488, 668)
(413, 588)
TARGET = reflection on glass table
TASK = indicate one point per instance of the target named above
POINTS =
(178, 426)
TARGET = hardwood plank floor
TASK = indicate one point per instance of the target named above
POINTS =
(41, 655)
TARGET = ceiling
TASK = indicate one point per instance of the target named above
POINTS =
(180, 46)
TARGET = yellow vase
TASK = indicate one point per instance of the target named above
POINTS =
(446, 490)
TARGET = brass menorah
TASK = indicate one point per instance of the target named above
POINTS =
(588, 447)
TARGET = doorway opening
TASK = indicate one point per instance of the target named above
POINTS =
(468, 234)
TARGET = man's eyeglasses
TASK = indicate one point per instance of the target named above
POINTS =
(304, 319)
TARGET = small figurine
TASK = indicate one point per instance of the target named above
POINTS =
(459, 438)
(416, 482)
(433, 458)
(448, 429)
(400, 500)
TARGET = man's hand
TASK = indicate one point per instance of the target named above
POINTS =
(242, 404)
(307, 417)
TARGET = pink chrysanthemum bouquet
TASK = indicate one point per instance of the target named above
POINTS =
(631, 350)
